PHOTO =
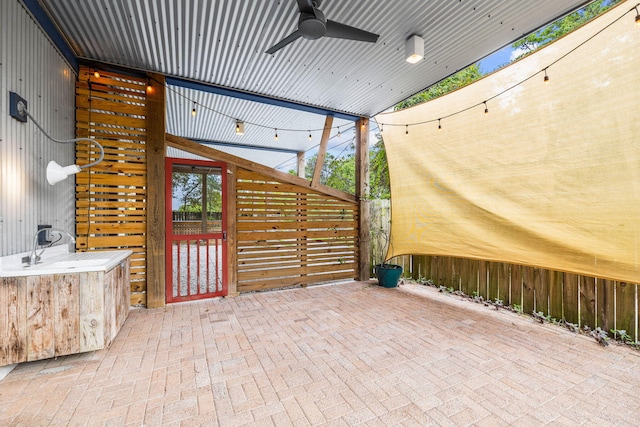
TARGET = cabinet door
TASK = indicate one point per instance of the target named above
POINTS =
(13, 321)
(66, 288)
(40, 307)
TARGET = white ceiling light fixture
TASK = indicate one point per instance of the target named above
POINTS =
(414, 49)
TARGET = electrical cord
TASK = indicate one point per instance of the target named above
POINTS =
(23, 110)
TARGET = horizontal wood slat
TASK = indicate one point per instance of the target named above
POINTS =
(271, 271)
(288, 234)
(293, 225)
(111, 227)
(293, 251)
(111, 196)
(249, 236)
(128, 214)
(277, 282)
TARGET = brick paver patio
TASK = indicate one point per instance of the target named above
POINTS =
(343, 355)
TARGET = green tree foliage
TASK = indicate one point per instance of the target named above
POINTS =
(187, 188)
(337, 172)
(451, 83)
(380, 187)
(562, 26)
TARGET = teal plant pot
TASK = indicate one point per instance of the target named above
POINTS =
(388, 274)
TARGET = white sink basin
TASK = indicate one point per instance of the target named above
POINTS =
(58, 260)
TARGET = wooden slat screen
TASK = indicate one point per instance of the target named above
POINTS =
(111, 196)
(291, 235)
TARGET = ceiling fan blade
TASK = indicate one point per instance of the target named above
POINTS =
(337, 30)
(282, 43)
(306, 6)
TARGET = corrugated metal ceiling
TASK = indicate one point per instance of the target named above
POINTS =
(223, 43)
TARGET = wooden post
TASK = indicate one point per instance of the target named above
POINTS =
(232, 241)
(301, 164)
(362, 196)
(155, 145)
(322, 151)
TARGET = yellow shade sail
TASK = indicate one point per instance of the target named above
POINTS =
(550, 178)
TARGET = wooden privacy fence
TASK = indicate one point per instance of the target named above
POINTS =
(289, 234)
(577, 299)
(111, 196)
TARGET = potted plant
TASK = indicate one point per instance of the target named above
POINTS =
(388, 274)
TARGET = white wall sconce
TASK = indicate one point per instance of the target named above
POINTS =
(414, 49)
(55, 172)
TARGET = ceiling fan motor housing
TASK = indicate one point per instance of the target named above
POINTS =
(312, 27)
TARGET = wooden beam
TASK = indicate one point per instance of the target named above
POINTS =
(155, 147)
(362, 195)
(322, 151)
(301, 164)
(211, 153)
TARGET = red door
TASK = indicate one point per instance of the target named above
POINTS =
(196, 229)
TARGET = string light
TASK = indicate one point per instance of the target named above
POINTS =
(239, 127)
(193, 111)
(637, 17)
(338, 131)
(310, 137)
(439, 125)
(486, 108)
(96, 74)
(276, 135)
(546, 77)
(362, 124)
(149, 87)
(406, 129)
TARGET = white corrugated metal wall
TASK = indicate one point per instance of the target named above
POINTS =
(32, 67)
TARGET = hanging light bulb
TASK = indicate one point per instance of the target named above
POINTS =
(276, 135)
(486, 108)
(637, 17)
(239, 127)
(96, 74)
(362, 124)
(546, 77)
(439, 125)
(149, 87)
(310, 137)
(381, 127)
(406, 129)
(193, 110)
(338, 131)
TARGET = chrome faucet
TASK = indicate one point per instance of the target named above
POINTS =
(32, 258)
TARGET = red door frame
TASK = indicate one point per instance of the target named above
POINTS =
(222, 235)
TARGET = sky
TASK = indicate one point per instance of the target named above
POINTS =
(497, 59)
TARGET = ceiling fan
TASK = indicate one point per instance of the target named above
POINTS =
(312, 25)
